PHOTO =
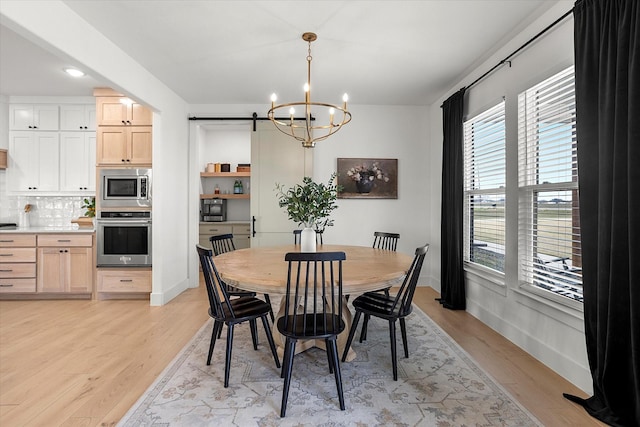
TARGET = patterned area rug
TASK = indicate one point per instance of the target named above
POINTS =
(438, 385)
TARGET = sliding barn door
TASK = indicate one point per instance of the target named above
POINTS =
(275, 158)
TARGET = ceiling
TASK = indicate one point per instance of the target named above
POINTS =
(239, 52)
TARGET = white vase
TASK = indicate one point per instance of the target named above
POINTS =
(308, 240)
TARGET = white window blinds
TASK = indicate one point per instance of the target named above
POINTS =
(549, 223)
(484, 188)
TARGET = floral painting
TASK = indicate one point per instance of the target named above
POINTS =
(368, 178)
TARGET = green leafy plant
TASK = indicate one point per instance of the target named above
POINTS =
(310, 203)
(90, 205)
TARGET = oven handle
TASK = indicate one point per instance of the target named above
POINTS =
(121, 222)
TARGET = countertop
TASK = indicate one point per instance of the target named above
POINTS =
(47, 230)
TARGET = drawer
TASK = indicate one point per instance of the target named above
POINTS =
(119, 280)
(65, 240)
(215, 229)
(13, 240)
(17, 270)
(17, 285)
(241, 229)
(17, 255)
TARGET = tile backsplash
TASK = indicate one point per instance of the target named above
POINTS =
(46, 211)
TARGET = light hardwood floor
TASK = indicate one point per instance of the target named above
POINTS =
(85, 363)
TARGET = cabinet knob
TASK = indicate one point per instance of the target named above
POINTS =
(124, 123)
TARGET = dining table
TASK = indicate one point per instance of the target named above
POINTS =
(264, 270)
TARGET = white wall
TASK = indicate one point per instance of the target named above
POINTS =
(375, 132)
(53, 25)
(552, 333)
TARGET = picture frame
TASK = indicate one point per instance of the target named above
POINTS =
(367, 178)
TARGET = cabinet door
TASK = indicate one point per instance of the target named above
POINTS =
(78, 117)
(140, 145)
(77, 161)
(110, 111)
(139, 115)
(33, 117)
(51, 270)
(80, 270)
(46, 117)
(34, 162)
(20, 117)
(111, 145)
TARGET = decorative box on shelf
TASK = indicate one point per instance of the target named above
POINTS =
(243, 167)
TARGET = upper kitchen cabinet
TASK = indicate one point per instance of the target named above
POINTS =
(34, 117)
(78, 117)
(77, 162)
(120, 111)
(124, 146)
(34, 167)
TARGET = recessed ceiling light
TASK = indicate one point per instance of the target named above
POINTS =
(73, 72)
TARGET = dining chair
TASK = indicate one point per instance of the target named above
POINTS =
(223, 243)
(297, 233)
(384, 240)
(391, 308)
(313, 310)
(228, 311)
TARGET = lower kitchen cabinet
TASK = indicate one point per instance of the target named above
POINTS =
(123, 281)
(65, 263)
(17, 263)
(240, 230)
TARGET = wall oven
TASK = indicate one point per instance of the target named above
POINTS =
(124, 238)
(125, 188)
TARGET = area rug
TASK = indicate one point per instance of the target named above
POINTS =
(438, 385)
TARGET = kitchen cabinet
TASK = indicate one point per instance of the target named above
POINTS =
(17, 263)
(77, 162)
(65, 263)
(78, 117)
(114, 281)
(240, 230)
(34, 117)
(111, 111)
(34, 164)
(124, 145)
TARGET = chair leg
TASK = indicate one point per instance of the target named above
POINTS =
(394, 360)
(227, 361)
(365, 324)
(403, 330)
(332, 344)
(287, 365)
(217, 327)
(272, 344)
(329, 358)
(254, 333)
(268, 300)
(352, 332)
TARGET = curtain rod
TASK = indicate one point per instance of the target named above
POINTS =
(506, 60)
(254, 117)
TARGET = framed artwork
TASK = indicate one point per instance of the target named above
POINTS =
(368, 178)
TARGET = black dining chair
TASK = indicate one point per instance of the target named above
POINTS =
(231, 311)
(223, 243)
(313, 310)
(297, 233)
(389, 307)
(384, 240)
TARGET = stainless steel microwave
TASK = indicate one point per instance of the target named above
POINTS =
(125, 188)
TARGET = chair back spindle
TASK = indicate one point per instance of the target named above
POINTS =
(386, 241)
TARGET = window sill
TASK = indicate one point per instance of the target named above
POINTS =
(562, 309)
(486, 277)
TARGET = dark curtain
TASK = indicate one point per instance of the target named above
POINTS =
(452, 272)
(607, 61)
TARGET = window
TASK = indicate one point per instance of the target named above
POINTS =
(484, 188)
(549, 223)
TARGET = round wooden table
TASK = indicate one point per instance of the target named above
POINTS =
(264, 270)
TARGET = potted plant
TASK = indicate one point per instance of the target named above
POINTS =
(309, 204)
(89, 204)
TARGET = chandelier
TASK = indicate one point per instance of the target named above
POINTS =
(305, 130)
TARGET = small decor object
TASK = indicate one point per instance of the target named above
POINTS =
(237, 187)
(24, 221)
(309, 204)
(368, 178)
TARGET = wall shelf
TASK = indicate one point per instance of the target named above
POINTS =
(224, 174)
(224, 196)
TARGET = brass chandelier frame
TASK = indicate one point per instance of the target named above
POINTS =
(304, 130)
